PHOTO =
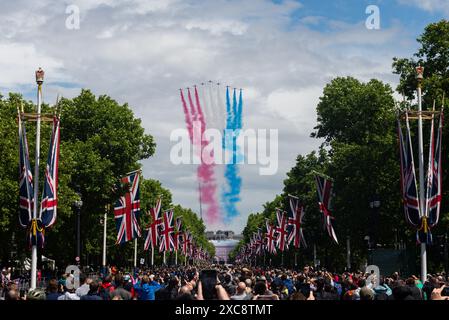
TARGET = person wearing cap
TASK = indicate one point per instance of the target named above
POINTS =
(119, 290)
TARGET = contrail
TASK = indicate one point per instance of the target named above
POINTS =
(231, 196)
(205, 171)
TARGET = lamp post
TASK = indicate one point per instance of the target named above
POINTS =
(78, 204)
(368, 248)
(374, 205)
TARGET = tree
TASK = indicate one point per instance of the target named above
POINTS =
(357, 122)
(101, 141)
(433, 55)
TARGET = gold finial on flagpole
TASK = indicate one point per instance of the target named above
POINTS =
(40, 76)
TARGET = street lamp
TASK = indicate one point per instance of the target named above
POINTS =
(374, 205)
(368, 246)
(78, 204)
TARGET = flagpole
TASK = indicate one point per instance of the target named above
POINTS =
(39, 81)
(348, 253)
(104, 235)
(176, 257)
(164, 259)
(152, 256)
(420, 71)
(201, 206)
(135, 253)
(314, 255)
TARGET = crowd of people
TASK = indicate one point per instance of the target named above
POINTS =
(215, 282)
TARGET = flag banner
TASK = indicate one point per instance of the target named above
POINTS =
(295, 223)
(127, 210)
(49, 201)
(434, 183)
(259, 242)
(271, 238)
(177, 238)
(36, 233)
(281, 230)
(324, 190)
(408, 177)
(167, 231)
(26, 190)
(152, 236)
(185, 243)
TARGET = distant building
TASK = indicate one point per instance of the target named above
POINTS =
(223, 248)
(224, 242)
(222, 235)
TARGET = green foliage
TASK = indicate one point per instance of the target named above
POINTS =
(101, 141)
(357, 122)
(433, 55)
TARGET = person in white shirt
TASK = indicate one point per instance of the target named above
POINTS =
(85, 287)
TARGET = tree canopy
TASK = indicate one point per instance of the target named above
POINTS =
(101, 141)
(357, 122)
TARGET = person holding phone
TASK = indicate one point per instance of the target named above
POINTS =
(210, 287)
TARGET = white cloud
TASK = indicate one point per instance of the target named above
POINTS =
(429, 5)
(142, 52)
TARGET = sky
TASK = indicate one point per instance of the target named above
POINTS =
(282, 53)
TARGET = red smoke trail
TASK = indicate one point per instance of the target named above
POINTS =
(205, 173)
(187, 116)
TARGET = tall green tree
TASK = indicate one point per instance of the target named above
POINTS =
(433, 55)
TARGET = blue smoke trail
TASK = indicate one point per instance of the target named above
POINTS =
(231, 196)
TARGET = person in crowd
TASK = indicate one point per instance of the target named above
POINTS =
(413, 285)
(241, 292)
(53, 291)
(119, 293)
(84, 288)
(106, 288)
(93, 292)
(170, 292)
(146, 288)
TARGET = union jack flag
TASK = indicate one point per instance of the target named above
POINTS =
(259, 242)
(26, 191)
(167, 242)
(186, 243)
(49, 196)
(295, 221)
(324, 190)
(281, 230)
(408, 177)
(190, 244)
(127, 210)
(271, 238)
(153, 229)
(434, 182)
(177, 238)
